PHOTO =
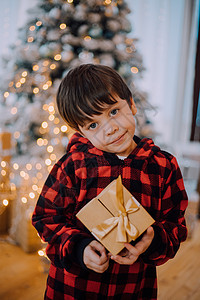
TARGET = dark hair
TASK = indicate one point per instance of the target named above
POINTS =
(85, 89)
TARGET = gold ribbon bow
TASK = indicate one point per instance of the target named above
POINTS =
(122, 222)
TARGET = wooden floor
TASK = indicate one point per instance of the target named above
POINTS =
(22, 276)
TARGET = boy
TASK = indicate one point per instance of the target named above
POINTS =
(95, 101)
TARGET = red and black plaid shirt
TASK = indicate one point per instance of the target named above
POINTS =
(154, 179)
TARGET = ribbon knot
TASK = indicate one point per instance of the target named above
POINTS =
(124, 226)
(123, 214)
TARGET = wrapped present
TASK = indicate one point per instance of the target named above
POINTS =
(115, 217)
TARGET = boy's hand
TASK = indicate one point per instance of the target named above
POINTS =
(129, 255)
(95, 257)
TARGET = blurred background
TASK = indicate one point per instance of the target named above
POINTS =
(154, 45)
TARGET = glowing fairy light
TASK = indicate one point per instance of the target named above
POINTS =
(134, 70)
(51, 117)
(13, 110)
(5, 202)
(32, 28)
(48, 162)
(64, 128)
(44, 124)
(6, 94)
(50, 149)
(57, 57)
(3, 164)
(40, 142)
(32, 195)
(52, 66)
(24, 74)
(41, 253)
(56, 121)
(24, 200)
(45, 87)
(30, 39)
(45, 142)
(22, 173)
(16, 134)
(34, 187)
(51, 109)
(36, 90)
(35, 68)
(56, 130)
(23, 80)
(38, 166)
(3, 173)
(18, 84)
(39, 23)
(53, 156)
(29, 167)
(63, 26)
(15, 166)
(87, 38)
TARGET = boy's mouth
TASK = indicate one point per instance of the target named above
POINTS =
(118, 140)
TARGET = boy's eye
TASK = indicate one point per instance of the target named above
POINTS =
(93, 126)
(114, 112)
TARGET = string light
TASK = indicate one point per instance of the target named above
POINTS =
(51, 109)
(40, 142)
(87, 38)
(52, 66)
(16, 134)
(38, 166)
(134, 70)
(70, 1)
(51, 117)
(53, 156)
(34, 187)
(56, 121)
(13, 110)
(63, 26)
(39, 23)
(57, 57)
(32, 28)
(24, 74)
(18, 84)
(36, 90)
(56, 130)
(44, 124)
(6, 94)
(3, 173)
(3, 164)
(50, 149)
(48, 162)
(45, 63)
(45, 87)
(24, 200)
(23, 80)
(35, 68)
(5, 202)
(15, 166)
(64, 128)
(32, 195)
(29, 167)
(30, 39)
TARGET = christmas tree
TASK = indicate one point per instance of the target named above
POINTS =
(60, 35)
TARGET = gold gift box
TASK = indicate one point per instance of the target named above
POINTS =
(115, 217)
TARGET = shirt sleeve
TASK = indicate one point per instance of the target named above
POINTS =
(54, 220)
(170, 228)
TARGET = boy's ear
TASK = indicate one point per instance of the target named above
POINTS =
(133, 107)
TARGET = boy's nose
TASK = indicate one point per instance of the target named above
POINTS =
(111, 127)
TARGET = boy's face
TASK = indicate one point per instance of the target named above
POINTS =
(112, 130)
